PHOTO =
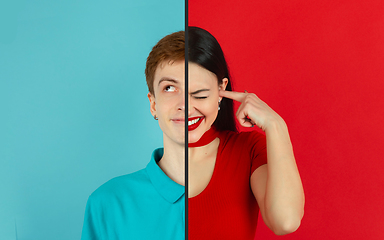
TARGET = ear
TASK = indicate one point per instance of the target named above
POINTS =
(152, 104)
(223, 85)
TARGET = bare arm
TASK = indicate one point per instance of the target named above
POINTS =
(277, 185)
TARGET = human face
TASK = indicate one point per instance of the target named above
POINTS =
(168, 101)
(203, 100)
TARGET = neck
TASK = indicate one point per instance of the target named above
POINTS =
(173, 161)
(207, 144)
(198, 154)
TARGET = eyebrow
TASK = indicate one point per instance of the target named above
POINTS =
(199, 91)
(168, 80)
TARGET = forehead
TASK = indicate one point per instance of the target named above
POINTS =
(169, 70)
(199, 77)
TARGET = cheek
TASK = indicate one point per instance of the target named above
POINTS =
(166, 101)
(161, 106)
(210, 109)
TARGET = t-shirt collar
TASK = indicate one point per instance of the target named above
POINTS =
(165, 186)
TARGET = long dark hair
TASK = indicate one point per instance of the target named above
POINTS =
(205, 50)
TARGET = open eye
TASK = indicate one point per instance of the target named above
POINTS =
(169, 88)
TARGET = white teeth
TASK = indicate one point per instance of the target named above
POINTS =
(193, 121)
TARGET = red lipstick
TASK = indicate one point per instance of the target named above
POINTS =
(194, 125)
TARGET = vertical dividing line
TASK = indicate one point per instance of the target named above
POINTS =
(186, 118)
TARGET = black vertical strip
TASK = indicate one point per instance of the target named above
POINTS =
(186, 118)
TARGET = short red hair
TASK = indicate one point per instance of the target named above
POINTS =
(171, 48)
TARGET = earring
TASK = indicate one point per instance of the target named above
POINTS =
(155, 117)
(219, 105)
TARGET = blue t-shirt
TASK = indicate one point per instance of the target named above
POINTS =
(146, 204)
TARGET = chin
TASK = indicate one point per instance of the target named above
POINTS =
(195, 135)
(174, 137)
(180, 140)
(192, 140)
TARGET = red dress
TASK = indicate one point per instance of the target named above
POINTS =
(226, 208)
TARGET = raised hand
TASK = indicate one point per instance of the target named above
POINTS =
(252, 110)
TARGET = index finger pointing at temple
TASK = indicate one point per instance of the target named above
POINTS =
(237, 96)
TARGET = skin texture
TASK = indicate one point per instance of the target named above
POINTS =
(205, 103)
(168, 105)
(202, 159)
(277, 185)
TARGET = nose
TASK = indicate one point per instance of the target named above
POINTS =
(181, 102)
(181, 105)
(191, 106)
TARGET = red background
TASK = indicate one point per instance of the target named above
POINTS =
(320, 65)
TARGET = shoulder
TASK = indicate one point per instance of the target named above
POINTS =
(242, 137)
(252, 143)
(122, 185)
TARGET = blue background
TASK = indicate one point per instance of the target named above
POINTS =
(74, 110)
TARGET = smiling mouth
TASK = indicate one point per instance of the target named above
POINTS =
(193, 123)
